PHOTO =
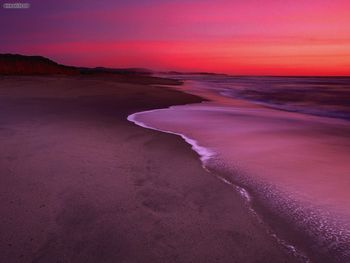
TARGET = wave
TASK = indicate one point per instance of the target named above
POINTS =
(206, 155)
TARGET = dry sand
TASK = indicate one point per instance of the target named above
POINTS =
(79, 183)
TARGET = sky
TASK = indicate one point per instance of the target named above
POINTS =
(243, 37)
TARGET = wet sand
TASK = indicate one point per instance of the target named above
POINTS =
(295, 166)
(79, 183)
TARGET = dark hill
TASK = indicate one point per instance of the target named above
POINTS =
(13, 64)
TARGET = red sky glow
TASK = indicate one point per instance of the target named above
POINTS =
(269, 37)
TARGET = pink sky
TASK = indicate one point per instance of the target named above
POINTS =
(238, 37)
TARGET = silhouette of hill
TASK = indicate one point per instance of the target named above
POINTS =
(14, 64)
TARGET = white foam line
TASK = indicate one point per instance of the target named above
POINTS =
(247, 197)
(206, 154)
